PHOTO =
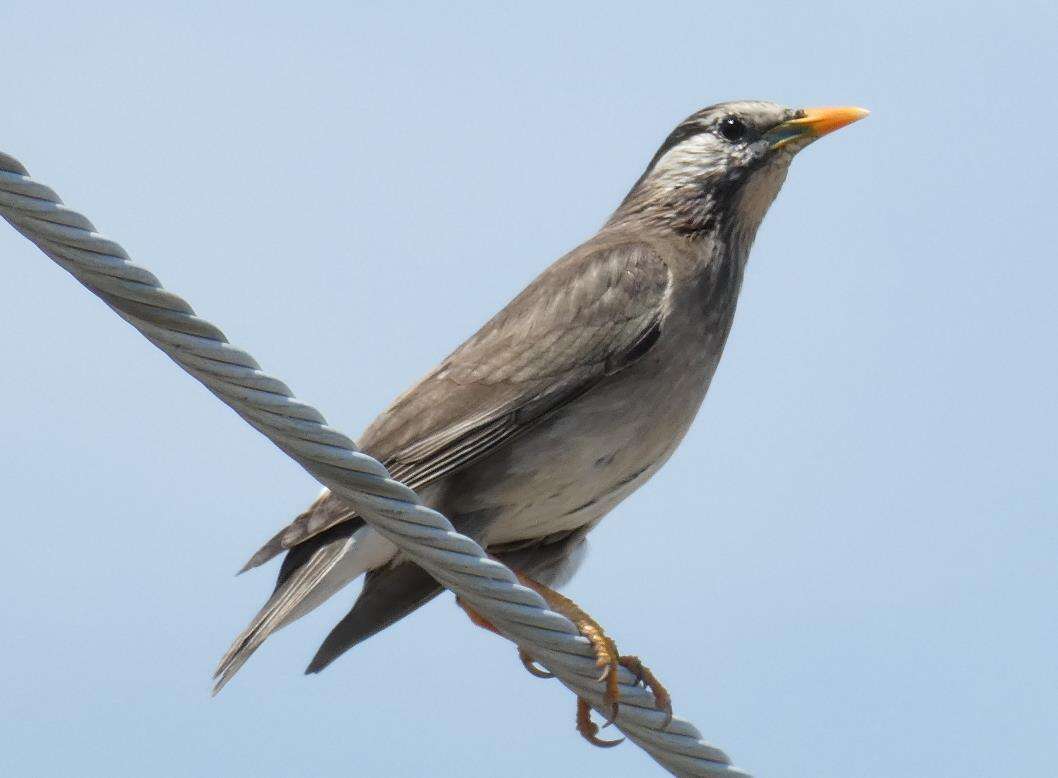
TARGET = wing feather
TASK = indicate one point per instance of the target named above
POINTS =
(591, 314)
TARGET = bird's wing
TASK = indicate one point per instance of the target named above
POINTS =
(591, 314)
(325, 512)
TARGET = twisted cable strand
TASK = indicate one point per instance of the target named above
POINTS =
(332, 458)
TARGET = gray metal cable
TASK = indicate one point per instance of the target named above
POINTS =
(301, 432)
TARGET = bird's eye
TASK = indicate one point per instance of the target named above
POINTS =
(732, 129)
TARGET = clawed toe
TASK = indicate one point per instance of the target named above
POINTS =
(662, 699)
(607, 659)
(589, 730)
(530, 664)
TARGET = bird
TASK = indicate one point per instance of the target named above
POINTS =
(565, 402)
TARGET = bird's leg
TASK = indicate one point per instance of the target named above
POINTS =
(480, 621)
(476, 618)
(587, 728)
(606, 657)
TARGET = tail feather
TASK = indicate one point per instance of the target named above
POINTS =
(311, 573)
(389, 594)
(326, 513)
(279, 609)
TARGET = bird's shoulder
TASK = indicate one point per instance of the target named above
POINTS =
(575, 312)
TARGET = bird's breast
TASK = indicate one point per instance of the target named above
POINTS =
(571, 469)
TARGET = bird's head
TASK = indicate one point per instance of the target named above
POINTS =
(721, 167)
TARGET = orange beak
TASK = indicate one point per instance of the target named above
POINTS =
(814, 123)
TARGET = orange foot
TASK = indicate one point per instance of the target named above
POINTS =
(606, 658)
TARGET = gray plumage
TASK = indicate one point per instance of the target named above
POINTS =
(568, 399)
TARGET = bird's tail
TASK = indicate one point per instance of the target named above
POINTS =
(389, 594)
(311, 573)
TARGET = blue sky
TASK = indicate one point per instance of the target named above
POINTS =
(848, 568)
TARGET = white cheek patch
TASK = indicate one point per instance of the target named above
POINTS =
(698, 156)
